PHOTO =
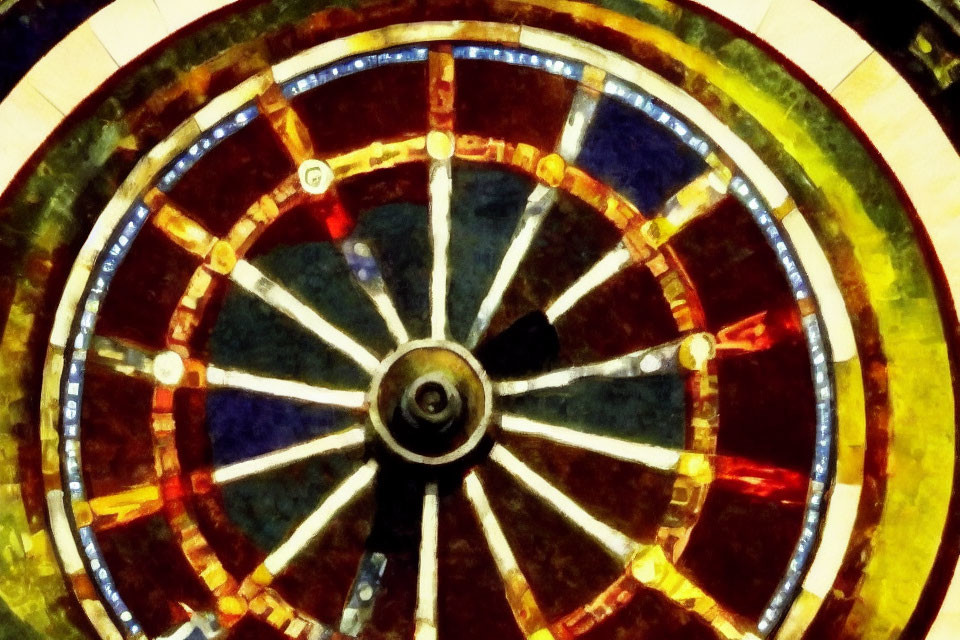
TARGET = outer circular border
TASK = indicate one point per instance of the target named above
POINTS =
(636, 86)
(35, 108)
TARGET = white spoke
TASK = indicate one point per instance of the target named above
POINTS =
(441, 188)
(691, 352)
(499, 547)
(123, 358)
(333, 443)
(525, 609)
(253, 280)
(363, 594)
(651, 456)
(427, 578)
(317, 521)
(367, 274)
(164, 367)
(231, 379)
(578, 119)
(538, 205)
(616, 543)
(609, 265)
(203, 622)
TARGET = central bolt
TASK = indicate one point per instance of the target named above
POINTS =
(431, 402)
(431, 398)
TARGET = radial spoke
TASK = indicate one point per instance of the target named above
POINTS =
(253, 280)
(652, 456)
(440, 148)
(165, 367)
(646, 563)
(581, 112)
(738, 474)
(333, 443)
(691, 352)
(651, 568)
(525, 609)
(366, 273)
(178, 225)
(314, 525)
(616, 543)
(427, 578)
(695, 199)
(122, 358)
(609, 265)
(286, 124)
(124, 506)
(539, 203)
(231, 379)
(441, 190)
(363, 594)
(200, 625)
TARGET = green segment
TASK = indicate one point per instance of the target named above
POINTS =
(399, 237)
(650, 410)
(487, 204)
(251, 336)
(267, 507)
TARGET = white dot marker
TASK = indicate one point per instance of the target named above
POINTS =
(316, 176)
(168, 368)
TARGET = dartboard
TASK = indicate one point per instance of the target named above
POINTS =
(499, 321)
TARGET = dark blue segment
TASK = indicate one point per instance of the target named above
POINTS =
(243, 425)
(637, 156)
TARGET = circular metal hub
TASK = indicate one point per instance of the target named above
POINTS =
(430, 402)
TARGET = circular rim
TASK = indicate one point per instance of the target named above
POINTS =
(742, 188)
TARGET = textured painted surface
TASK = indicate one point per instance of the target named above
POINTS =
(867, 212)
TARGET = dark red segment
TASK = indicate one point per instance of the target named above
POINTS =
(150, 571)
(732, 266)
(381, 104)
(237, 553)
(301, 224)
(319, 579)
(572, 239)
(626, 313)
(250, 628)
(471, 594)
(146, 290)
(767, 406)
(564, 566)
(651, 616)
(220, 187)
(740, 548)
(193, 443)
(403, 183)
(511, 103)
(116, 444)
